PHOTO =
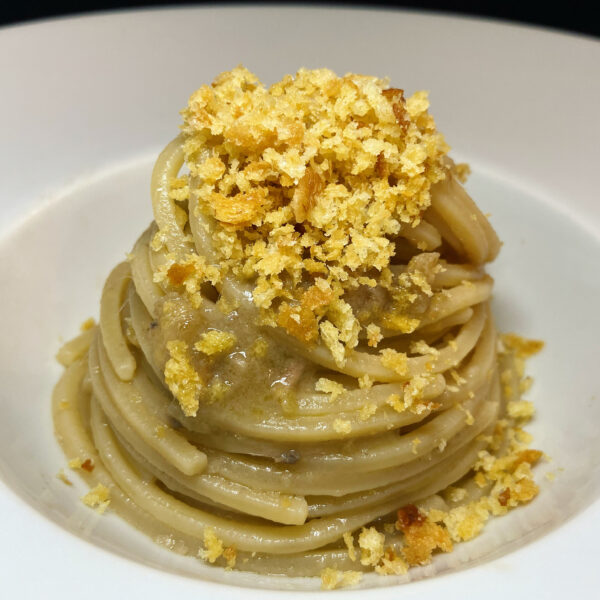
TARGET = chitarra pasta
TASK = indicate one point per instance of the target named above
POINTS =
(296, 370)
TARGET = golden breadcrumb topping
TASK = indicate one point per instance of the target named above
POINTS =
(509, 476)
(462, 171)
(214, 549)
(333, 388)
(370, 542)
(88, 324)
(374, 335)
(188, 275)
(455, 494)
(523, 347)
(349, 541)
(365, 382)
(367, 411)
(97, 498)
(412, 395)
(332, 579)
(413, 390)
(520, 409)
(391, 564)
(421, 536)
(504, 471)
(422, 348)
(213, 546)
(61, 475)
(215, 342)
(469, 418)
(396, 402)
(394, 360)
(305, 184)
(457, 378)
(342, 426)
(181, 377)
(230, 556)
(85, 464)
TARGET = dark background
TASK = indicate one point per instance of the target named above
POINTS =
(574, 15)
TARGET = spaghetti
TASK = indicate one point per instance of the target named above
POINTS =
(301, 343)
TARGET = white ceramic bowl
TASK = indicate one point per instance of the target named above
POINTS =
(86, 105)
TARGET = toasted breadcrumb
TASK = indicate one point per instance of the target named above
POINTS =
(97, 498)
(333, 388)
(462, 171)
(465, 522)
(420, 347)
(455, 494)
(374, 335)
(61, 475)
(332, 579)
(230, 556)
(391, 564)
(342, 426)
(506, 379)
(213, 546)
(401, 323)
(457, 378)
(178, 189)
(370, 542)
(414, 445)
(88, 324)
(331, 338)
(187, 275)
(215, 342)
(469, 418)
(396, 402)
(85, 465)
(365, 382)
(367, 411)
(394, 360)
(523, 347)
(181, 378)
(421, 536)
(520, 409)
(413, 390)
(525, 384)
(481, 480)
(349, 541)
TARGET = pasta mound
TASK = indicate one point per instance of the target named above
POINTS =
(297, 371)
(306, 182)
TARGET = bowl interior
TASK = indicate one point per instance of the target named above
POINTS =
(53, 268)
